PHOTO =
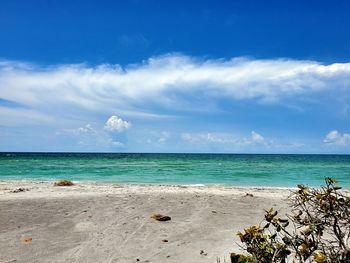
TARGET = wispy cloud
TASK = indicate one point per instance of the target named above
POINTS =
(19, 117)
(163, 137)
(87, 129)
(155, 138)
(223, 138)
(230, 142)
(168, 82)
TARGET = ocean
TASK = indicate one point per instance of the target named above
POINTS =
(267, 170)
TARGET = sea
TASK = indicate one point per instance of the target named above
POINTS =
(242, 170)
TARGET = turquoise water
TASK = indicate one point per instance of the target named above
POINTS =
(227, 169)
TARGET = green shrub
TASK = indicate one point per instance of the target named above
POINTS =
(318, 230)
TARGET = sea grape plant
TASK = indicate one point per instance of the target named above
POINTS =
(317, 230)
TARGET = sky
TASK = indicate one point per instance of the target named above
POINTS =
(175, 76)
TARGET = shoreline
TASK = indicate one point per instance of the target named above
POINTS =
(37, 188)
(91, 182)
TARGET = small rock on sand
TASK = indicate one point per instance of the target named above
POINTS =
(160, 217)
(26, 239)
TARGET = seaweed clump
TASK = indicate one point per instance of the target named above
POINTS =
(64, 183)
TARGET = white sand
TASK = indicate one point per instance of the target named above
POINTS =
(111, 223)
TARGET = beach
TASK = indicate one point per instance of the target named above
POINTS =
(109, 222)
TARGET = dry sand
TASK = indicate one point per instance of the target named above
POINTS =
(111, 223)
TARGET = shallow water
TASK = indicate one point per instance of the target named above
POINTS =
(228, 169)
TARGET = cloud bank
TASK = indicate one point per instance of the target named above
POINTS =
(169, 93)
(171, 82)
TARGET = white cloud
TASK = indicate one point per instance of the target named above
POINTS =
(207, 137)
(116, 124)
(88, 136)
(110, 136)
(85, 130)
(257, 138)
(336, 138)
(111, 142)
(170, 82)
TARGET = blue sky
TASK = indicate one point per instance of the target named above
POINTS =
(180, 76)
